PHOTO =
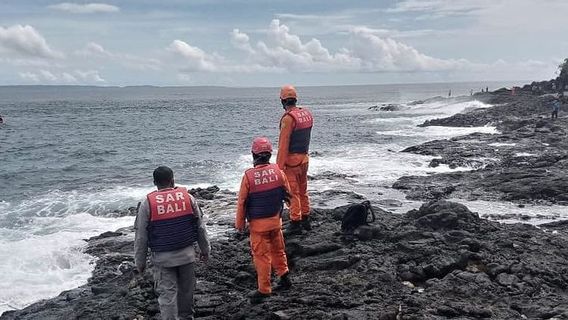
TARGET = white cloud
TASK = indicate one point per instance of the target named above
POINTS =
(398, 34)
(365, 51)
(26, 41)
(385, 54)
(241, 41)
(84, 8)
(287, 51)
(89, 76)
(76, 76)
(66, 77)
(29, 76)
(195, 59)
(95, 50)
(492, 16)
(47, 75)
(442, 7)
(524, 16)
(313, 17)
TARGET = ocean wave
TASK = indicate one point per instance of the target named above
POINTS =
(49, 258)
(439, 132)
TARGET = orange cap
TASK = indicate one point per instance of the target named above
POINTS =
(260, 145)
(288, 91)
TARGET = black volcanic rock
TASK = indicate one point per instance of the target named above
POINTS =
(440, 261)
(386, 107)
(526, 162)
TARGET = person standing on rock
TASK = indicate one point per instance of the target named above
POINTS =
(264, 189)
(555, 108)
(170, 223)
(293, 147)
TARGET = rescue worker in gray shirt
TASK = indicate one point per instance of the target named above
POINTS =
(169, 222)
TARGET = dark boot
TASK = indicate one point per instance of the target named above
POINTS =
(284, 283)
(295, 227)
(306, 223)
(257, 296)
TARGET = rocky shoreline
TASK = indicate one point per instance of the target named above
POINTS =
(441, 261)
(526, 162)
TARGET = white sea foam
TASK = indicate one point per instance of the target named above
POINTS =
(370, 164)
(57, 203)
(42, 240)
(438, 131)
(448, 108)
(50, 258)
(539, 213)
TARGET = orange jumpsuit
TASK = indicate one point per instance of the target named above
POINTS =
(266, 239)
(295, 166)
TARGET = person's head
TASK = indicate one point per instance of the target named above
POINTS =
(261, 150)
(288, 96)
(163, 177)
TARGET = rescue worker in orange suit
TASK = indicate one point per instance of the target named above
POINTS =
(170, 223)
(293, 147)
(264, 189)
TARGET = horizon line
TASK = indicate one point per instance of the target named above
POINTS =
(253, 87)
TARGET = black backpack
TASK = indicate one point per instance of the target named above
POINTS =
(356, 215)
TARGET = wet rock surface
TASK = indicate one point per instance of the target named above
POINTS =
(526, 162)
(438, 262)
(386, 107)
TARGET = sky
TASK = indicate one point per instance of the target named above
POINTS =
(269, 43)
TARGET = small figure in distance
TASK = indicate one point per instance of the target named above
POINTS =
(170, 223)
(556, 106)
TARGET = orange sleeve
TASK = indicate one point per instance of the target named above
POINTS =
(286, 127)
(241, 203)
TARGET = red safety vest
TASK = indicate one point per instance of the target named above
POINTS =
(301, 134)
(169, 204)
(173, 224)
(266, 191)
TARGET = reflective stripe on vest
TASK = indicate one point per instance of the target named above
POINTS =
(266, 192)
(300, 137)
(173, 224)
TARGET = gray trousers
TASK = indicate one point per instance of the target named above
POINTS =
(174, 286)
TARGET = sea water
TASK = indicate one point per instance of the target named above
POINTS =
(70, 156)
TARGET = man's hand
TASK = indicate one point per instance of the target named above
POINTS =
(203, 257)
